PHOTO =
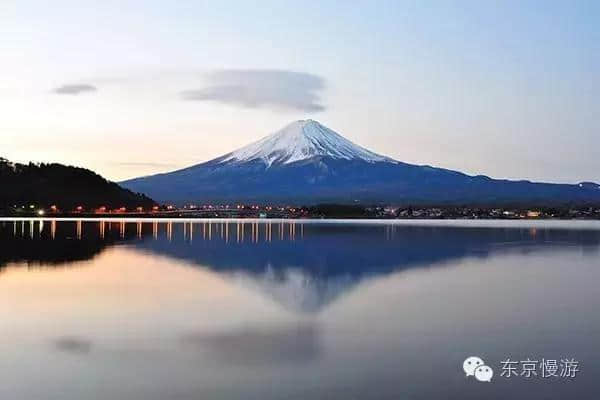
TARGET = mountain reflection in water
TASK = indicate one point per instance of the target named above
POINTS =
(156, 310)
(303, 266)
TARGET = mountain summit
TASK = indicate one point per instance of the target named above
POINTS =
(302, 140)
(308, 163)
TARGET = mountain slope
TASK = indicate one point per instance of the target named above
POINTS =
(302, 140)
(63, 186)
(306, 162)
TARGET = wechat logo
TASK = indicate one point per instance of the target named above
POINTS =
(474, 366)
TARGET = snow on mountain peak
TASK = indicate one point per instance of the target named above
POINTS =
(301, 140)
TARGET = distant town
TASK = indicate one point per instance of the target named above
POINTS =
(316, 211)
(55, 190)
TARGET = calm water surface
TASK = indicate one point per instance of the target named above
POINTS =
(232, 310)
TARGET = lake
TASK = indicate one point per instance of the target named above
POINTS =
(243, 309)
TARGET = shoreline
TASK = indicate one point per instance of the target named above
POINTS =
(463, 223)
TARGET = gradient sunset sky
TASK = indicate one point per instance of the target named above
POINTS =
(128, 88)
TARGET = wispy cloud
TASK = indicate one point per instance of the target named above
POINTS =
(262, 88)
(146, 164)
(73, 344)
(75, 89)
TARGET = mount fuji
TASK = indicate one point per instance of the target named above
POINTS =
(308, 163)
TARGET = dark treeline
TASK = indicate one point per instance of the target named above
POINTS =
(66, 187)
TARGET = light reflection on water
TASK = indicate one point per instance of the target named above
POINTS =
(277, 309)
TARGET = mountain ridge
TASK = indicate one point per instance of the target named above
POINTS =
(308, 163)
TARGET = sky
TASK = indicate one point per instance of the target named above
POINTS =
(508, 89)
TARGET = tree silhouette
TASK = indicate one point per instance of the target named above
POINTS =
(66, 187)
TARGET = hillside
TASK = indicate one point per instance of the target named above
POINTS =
(66, 187)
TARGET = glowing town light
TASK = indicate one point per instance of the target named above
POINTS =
(40, 212)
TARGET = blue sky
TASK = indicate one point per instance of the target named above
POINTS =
(506, 89)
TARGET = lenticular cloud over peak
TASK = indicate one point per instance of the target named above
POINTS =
(275, 89)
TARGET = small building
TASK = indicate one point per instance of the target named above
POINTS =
(533, 214)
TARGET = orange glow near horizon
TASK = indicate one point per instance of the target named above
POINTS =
(112, 284)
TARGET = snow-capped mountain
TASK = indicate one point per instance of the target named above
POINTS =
(302, 140)
(308, 163)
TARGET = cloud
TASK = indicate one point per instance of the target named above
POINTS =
(73, 344)
(146, 164)
(75, 89)
(262, 89)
